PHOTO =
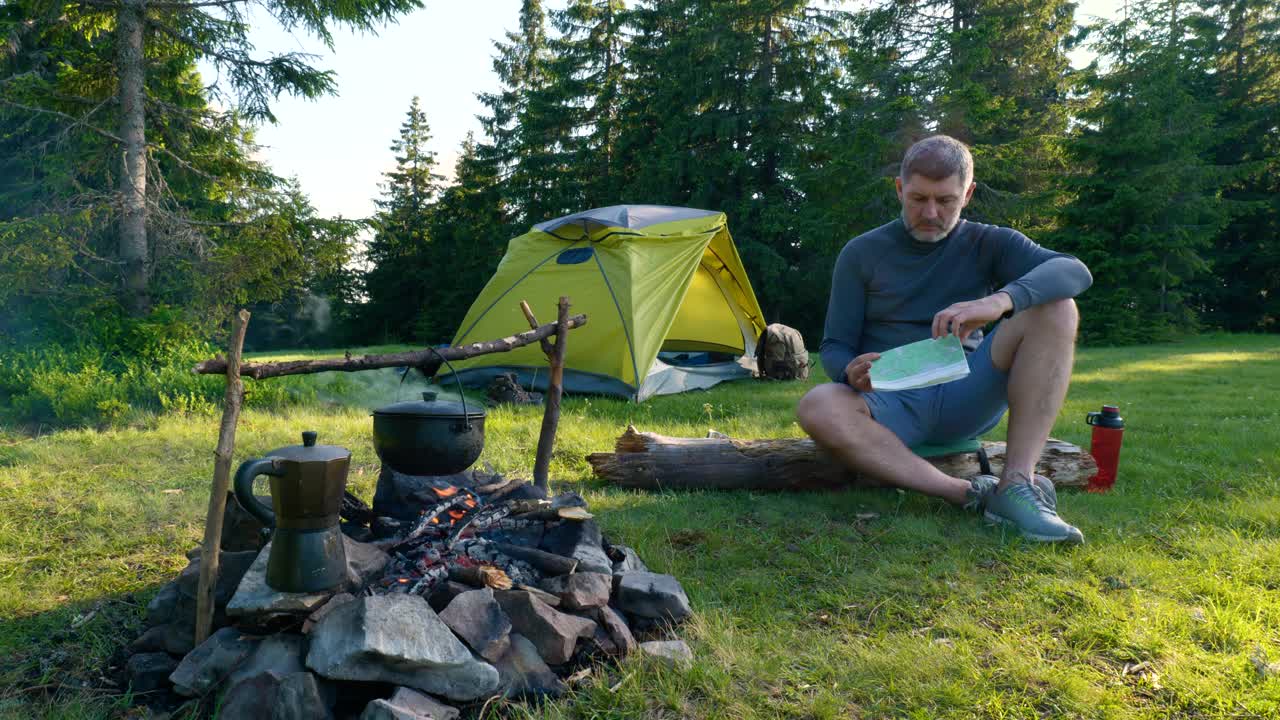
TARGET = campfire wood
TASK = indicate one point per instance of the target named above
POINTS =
(549, 563)
(652, 462)
(221, 478)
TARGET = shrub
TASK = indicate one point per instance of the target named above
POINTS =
(123, 370)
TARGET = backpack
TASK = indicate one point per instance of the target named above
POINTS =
(780, 354)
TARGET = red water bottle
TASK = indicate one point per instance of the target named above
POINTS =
(1108, 431)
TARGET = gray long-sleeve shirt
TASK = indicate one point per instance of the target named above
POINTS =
(887, 286)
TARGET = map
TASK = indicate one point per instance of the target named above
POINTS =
(920, 364)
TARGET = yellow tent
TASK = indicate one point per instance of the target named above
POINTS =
(649, 278)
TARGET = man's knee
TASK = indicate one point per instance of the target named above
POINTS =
(1061, 316)
(821, 403)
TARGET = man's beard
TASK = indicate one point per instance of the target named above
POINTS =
(928, 235)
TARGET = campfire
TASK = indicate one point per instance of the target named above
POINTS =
(451, 588)
(461, 589)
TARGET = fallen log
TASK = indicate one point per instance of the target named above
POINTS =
(427, 360)
(656, 462)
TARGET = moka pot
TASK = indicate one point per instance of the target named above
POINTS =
(307, 486)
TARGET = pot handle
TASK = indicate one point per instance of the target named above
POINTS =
(250, 469)
(466, 416)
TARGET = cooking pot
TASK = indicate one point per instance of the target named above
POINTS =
(429, 436)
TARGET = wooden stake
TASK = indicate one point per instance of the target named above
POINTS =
(210, 552)
(551, 413)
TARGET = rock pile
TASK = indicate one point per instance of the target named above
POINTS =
(506, 595)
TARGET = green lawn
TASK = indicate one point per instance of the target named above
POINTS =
(801, 610)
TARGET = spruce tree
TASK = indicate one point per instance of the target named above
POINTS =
(1243, 293)
(1147, 203)
(399, 274)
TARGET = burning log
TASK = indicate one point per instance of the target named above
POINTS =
(506, 490)
(545, 562)
(652, 462)
(555, 514)
(480, 576)
(427, 360)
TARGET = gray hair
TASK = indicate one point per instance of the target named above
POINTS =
(938, 157)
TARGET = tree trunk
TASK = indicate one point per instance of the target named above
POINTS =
(651, 461)
(132, 249)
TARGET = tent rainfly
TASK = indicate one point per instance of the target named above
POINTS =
(662, 287)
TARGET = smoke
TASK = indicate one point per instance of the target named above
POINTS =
(316, 312)
(373, 389)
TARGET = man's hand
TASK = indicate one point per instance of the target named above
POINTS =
(965, 317)
(858, 371)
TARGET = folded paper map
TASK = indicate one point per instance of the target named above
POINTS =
(920, 364)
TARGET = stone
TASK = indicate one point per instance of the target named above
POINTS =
(175, 638)
(568, 499)
(580, 590)
(383, 710)
(397, 639)
(616, 627)
(523, 673)
(163, 608)
(231, 569)
(325, 609)
(276, 695)
(365, 562)
(240, 530)
(407, 704)
(357, 532)
(445, 592)
(552, 632)
(625, 560)
(255, 597)
(600, 638)
(281, 653)
(580, 540)
(251, 698)
(674, 653)
(149, 671)
(476, 618)
(211, 661)
(651, 595)
(301, 697)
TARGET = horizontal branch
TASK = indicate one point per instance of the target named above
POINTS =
(426, 360)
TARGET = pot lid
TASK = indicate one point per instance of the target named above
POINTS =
(309, 451)
(431, 406)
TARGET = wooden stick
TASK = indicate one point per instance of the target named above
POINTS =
(427, 360)
(652, 461)
(209, 554)
(549, 563)
(547, 347)
(551, 412)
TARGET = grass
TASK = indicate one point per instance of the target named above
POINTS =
(802, 610)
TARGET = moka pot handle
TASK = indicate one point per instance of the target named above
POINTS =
(250, 469)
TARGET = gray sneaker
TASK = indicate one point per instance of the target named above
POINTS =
(1026, 506)
(1046, 487)
(983, 485)
(980, 488)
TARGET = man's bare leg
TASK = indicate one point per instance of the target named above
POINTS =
(1036, 348)
(837, 418)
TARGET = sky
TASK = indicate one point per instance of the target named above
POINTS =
(338, 146)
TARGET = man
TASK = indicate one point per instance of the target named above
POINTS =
(928, 274)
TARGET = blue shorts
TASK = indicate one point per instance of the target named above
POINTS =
(950, 412)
